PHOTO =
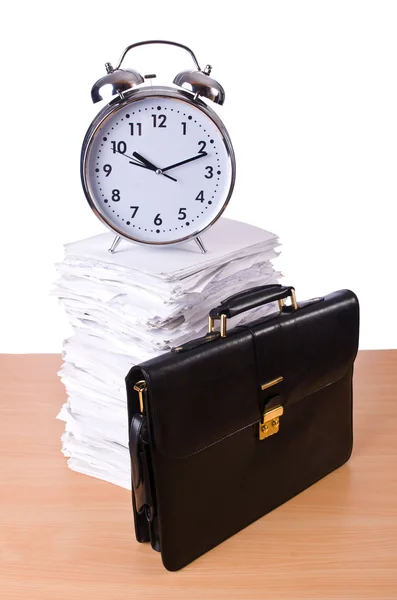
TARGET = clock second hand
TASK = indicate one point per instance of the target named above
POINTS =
(151, 166)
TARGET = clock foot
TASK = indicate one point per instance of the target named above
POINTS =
(115, 243)
(200, 244)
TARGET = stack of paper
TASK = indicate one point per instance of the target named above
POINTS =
(133, 305)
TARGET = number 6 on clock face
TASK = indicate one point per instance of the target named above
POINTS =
(158, 166)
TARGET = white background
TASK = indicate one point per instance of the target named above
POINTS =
(311, 106)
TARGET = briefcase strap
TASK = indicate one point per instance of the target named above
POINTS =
(139, 466)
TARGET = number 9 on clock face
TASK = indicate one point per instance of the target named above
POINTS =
(158, 167)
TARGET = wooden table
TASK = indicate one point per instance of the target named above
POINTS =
(66, 535)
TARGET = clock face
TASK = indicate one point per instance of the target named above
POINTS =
(158, 169)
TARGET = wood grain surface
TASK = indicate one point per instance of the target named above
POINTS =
(66, 535)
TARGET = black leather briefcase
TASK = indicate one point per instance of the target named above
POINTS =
(229, 426)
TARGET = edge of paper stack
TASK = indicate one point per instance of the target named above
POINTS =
(133, 305)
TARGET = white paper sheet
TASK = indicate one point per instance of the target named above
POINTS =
(224, 241)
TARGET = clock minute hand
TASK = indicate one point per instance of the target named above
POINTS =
(182, 162)
(151, 166)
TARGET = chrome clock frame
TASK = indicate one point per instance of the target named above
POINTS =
(129, 98)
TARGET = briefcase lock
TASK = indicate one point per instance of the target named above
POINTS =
(270, 423)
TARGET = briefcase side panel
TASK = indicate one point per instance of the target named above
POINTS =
(142, 529)
(204, 499)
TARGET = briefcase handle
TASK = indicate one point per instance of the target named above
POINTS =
(248, 299)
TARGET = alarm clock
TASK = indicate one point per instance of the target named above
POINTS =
(157, 164)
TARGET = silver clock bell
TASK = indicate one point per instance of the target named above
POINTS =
(157, 164)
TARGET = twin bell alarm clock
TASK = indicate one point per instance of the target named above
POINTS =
(157, 164)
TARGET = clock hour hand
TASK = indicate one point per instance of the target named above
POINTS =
(182, 162)
(134, 162)
(151, 166)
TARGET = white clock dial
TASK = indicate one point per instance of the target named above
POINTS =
(158, 169)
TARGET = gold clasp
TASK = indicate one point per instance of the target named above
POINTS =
(140, 387)
(268, 384)
(211, 325)
(271, 422)
(294, 304)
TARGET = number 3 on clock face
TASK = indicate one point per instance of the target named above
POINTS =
(157, 167)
